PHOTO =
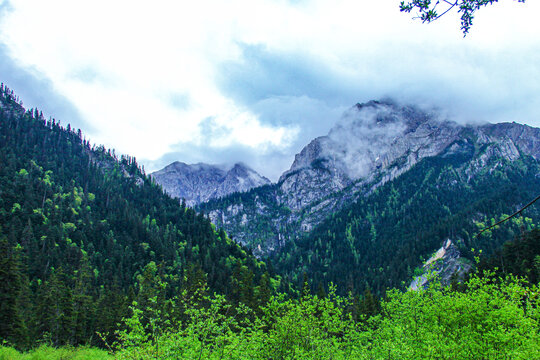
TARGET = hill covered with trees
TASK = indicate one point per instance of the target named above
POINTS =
(92, 252)
(379, 240)
(84, 233)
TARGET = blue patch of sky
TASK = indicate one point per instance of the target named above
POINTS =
(262, 74)
(37, 91)
(180, 101)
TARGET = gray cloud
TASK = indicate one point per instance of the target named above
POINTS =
(36, 91)
(86, 74)
(469, 84)
(179, 101)
(262, 74)
(298, 88)
(312, 117)
(294, 89)
(359, 139)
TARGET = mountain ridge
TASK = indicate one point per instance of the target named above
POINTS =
(373, 144)
(196, 183)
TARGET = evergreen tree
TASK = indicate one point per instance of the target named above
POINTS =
(13, 285)
(369, 305)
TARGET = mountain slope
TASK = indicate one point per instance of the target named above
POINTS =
(378, 240)
(201, 182)
(382, 191)
(371, 145)
(83, 234)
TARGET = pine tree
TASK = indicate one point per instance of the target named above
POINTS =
(321, 293)
(83, 304)
(13, 286)
(369, 305)
(55, 310)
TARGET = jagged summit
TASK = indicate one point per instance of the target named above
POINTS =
(368, 140)
(201, 182)
(384, 137)
(371, 145)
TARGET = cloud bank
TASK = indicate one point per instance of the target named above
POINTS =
(254, 81)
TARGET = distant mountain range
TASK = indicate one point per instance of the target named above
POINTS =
(201, 182)
(383, 190)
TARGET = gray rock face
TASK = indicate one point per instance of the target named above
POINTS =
(201, 182)
(372, 144)
(366, 142)
(445, 264)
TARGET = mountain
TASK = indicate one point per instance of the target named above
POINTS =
(372, 144)
(367, 203)
(201, 182)
(84, 235)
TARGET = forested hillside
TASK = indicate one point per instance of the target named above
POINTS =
(92, 252)
(84, 233)
(380, 239)
(487, 317)
(364, 206)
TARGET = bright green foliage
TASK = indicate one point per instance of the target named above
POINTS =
(49, 353)
(493, 318)
(287, 329)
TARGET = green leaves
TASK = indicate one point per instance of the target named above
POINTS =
(427, 12)
(485, 321)
(494, 318)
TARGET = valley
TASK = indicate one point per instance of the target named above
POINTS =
(96, 252)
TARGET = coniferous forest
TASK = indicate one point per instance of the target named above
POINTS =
(84, 235)
(97, 262)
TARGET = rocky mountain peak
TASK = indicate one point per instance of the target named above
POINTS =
(525, 137)
(201, 182)
(372, 144)
(364, 137)
(366, 141)
(241, 169)
(384, 139)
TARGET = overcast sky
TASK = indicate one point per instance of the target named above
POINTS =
(256, 80)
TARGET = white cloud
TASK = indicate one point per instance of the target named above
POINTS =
(145, 74)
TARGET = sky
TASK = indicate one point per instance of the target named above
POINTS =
(255, 80)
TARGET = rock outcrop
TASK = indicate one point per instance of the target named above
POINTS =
(444, 266)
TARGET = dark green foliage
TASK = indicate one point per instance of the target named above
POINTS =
(369, 306)
(13, 287)
(520, 257)
(84, 233)
(380, 239)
